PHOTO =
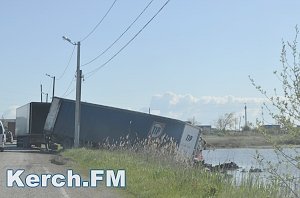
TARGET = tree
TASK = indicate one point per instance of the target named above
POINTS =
(225, 122)
(286, 111)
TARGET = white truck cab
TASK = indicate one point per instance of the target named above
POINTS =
(2, 137)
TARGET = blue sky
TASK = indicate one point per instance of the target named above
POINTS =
(193, 55)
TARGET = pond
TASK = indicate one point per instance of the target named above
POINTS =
(246, 159)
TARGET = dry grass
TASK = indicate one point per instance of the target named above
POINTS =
(155, 169)
(153, 177)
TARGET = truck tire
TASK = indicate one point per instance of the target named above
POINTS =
(19, 142)
(26, 142)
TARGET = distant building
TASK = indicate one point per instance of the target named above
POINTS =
(274, 128)
(205, 128)
(10, 125)
(271, 126)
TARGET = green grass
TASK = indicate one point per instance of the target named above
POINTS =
(150, 176)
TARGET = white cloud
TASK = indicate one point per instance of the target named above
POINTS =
(205, 109)
(10, 113)
(155, 112)
(231, 99)
(174, 99)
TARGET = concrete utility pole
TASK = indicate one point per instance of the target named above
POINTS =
(46, 96)
(53, 84)
(246, 116)
(262, 114)
(78, 98)
(41, 93)
(240, 123)
(78, 94)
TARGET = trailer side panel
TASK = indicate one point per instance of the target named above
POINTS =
(100, 122)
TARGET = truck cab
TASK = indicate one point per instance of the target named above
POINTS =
(2, 137)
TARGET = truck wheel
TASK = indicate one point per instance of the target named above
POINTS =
(1, 149)
(26, 142)
(20, 142)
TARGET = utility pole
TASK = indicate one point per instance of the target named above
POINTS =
(46, 97)
(78, 94)
(246, 116)
(53, 84)
(262, 114)
(53, 87)
(78, 98)
(41, 93)
(240, 123)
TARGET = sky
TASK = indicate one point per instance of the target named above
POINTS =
(192, 61)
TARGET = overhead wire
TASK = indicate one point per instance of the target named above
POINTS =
(69, 86)
(112, 5)
(111, 45)
(49, 88)
(73, 79)
(89, 74)
(72, 90)
(60, 77)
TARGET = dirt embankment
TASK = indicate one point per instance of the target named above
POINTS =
(236, 141)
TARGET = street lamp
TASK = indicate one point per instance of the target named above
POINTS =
(69, 40)
(53, 85)
(78, 93)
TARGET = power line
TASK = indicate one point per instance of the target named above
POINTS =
(89, 74)
(49, 88)
(112, 5)
(110, 46)
(67, 64)
(69, 86)
(70, 92)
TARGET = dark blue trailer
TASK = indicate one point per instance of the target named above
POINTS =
(99, 123)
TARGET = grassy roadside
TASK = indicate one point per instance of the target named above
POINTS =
(148, 176)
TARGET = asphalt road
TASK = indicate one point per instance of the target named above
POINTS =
(37, 162)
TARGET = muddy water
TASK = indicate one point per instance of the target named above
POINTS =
(246, 159)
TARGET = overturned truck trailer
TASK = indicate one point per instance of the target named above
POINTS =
(99, 123)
